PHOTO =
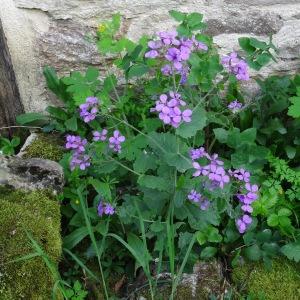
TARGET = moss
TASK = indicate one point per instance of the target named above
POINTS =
(39, 214)
(281, 282)
(45, 146)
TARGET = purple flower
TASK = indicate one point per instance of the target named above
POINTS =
(194, 196)
(100, 209)
(105, 209)
(115, 141)
(89, 109)
(166, 70)
(204, 205)
(197, 153)
(109, 209)
(235, 106)
(169, 109)
(76, 143)
(169, 38)
(236, 66)
(174, 55)
(79, 160)
(100, 136)
(240, 174)
(243, 223)
(151, 54)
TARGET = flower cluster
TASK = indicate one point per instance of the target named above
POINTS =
(248, 194)
(115, 141)
(89, 109)
(169, 109)
(79, 158)
(100, 135)
(175, 50)
(236, 66)
(235, 106)
(198, 199)
(214, 170)
(105, 209)
(218, 177)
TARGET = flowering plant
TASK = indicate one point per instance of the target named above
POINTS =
(161, 161)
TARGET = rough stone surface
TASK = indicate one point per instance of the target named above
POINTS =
(30, 174)
(53, 32)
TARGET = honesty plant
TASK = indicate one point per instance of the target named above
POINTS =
(160, 155)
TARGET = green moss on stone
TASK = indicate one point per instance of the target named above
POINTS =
(45, 146)
(39, 214)
(281, 282)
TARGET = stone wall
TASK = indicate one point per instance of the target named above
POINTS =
(53, 32)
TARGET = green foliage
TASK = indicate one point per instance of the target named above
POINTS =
(294, 109)
(258, 53)
(148, 181)
(39, 214)
(7, 147)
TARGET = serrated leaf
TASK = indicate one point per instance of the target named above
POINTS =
(154, 182)
(137, 71)
(273, 220)
(292, 251)
(71, 124)
(253, 252)
(198, 122)
(208, 252)
(294, 109)
(177, 15)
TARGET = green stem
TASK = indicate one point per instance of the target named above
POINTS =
(174, 286)
(92, 236)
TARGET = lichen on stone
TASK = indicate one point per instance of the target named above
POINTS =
(39, 214)
(45, 146)
(282, 281)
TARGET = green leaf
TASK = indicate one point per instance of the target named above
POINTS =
(198, 122)
(55, 84)
(294, 109)
(144, 162)
(179, 161)
(28, 118)
(194, 20)
(57, 112)
(102, 188)
(290, 151)
(154, 182)
(92, 74)
(137, 71)
(177, 15)
(258, 44)
(292, 251)
(244, 43)
(201, 237)
(263, 59)
(208, 252)
(213, 235)
(221, 135)
(273, 220)
(157, 226)
(75, 237)
(71, 124)
(284, 212)
(253, 252)
(15, 141)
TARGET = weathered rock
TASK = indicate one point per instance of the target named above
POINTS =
(206, 280)
(53, 32)
(30, 174)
